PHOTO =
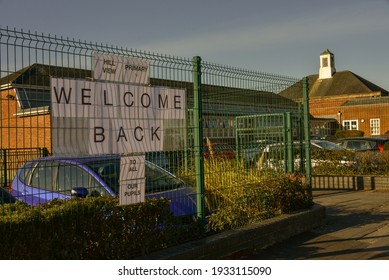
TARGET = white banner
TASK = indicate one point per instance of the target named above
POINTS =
(112, 118)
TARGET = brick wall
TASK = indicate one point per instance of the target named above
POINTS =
(22, 132)
(330, 107)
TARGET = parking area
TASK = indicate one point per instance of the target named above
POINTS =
(357, 228)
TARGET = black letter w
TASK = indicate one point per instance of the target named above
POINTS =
(67, 98)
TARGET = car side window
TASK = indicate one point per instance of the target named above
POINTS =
(25, 172)
(109, 172)
(371, 145)
(43, 175)
(354, 145)
(365, 145)
(71, 176)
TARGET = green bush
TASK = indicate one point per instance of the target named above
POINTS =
(91, 228)
(351, 163)
(348, 133)
(372, 163)
(325, 162)
(97, 228)
(237, 197)
(274, 194)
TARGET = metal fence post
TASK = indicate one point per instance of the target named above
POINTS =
(307, 134)
(198, 138)
(289, 155)
(5, 171)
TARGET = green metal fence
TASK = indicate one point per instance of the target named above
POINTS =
(12, 159)
(219, 103)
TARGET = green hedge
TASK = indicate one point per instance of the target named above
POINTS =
(91, 228)
(350, 163)
(238, 197)
(272, 195)
(348, 133)
(97, 228)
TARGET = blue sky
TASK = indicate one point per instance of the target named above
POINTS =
(275, 36)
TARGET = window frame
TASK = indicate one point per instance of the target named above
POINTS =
(374, 128)
(348, 124)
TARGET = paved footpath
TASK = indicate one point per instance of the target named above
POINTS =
(357, 228)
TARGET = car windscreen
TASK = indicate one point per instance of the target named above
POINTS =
(158, 179)
(329, 145)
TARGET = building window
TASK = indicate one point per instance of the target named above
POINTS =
(374, 126)
(31, 98)
(324, 62)
(350, 124)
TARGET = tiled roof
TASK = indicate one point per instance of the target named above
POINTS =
(327, 51)
(39, 75)
(342, 83)
(366, 101)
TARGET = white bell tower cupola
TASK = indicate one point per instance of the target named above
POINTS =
(327, 65)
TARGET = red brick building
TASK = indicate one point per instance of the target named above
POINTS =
(24, 105)
(344, 100)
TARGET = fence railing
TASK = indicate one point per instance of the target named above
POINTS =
(38, 73)
(12, 159)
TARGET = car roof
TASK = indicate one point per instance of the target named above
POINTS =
(320, 141)
(79, 159)
(379, 138)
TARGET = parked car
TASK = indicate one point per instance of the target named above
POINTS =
(6, 197)
(218, 150)
(44, 179)
(273, 156)
(361, 144)
(250, 152)
(325, 145)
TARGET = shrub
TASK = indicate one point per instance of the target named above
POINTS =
(348, 133)
(239, 197)
(275, 195)
(91, 228)
(350, 163)
(326, 162)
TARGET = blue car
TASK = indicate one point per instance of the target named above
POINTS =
(44, 179)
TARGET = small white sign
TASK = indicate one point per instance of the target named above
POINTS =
(132, 180)
(120, 69)
(132, 191)
(132, 167)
